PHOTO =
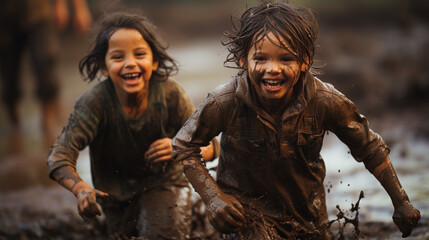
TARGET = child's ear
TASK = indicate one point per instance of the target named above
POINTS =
(242, 62)
(305, 65)
(104, 71)
(155, 65)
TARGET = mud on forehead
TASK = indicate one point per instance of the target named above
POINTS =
(284, 40)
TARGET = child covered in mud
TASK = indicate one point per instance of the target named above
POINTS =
(273, 116)
(128, 120)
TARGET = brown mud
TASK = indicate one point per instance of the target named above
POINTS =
(48, 213)
(346, 220)
(376, 56)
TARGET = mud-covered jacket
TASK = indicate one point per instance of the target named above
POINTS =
(276, 167)
(117, 143)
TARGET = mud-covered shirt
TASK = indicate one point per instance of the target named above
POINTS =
(117, 143)
(274, 167)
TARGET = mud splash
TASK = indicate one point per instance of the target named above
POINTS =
(343, 220)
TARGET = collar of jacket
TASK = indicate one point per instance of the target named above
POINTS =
(304, 91)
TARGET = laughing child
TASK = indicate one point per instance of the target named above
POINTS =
(273, 116)
(128, 120)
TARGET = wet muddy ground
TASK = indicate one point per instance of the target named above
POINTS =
(376, 57)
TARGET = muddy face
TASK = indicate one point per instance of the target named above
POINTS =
(129, 62)
(273, 69)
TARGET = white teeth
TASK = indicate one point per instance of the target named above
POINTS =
(131, 75)
(273, 83)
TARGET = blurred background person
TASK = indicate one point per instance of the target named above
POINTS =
(32, 25)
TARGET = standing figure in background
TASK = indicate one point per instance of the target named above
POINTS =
(31, 25)
(273, 117)
(82, 19)
(128, 121)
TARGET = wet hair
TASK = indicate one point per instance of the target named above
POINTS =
(297, 26)
(90, 64)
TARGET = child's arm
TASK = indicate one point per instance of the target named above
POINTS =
(368, 147)
(211, 152)
(63, 171)
(161, 151)
(225, 212)
(85, 195)
(405, 215)
(180, 108)
(81, 128)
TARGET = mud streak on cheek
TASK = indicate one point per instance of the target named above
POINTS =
(256, 73)
(287, 70)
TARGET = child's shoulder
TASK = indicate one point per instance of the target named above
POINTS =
(327, 93)
(325, 89)
(95, 94)
(227, 89)
(170, 84)
(172, 88)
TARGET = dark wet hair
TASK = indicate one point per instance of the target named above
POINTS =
(296, 25)
(91, 63)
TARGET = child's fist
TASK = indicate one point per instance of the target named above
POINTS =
(225, 213)
(406, 218)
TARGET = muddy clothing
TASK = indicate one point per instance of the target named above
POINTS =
(274, 168)
(117, 143)
(158, 213)
(28, 25)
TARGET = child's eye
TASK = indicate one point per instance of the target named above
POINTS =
(117, 57)
(259, 59)
(286, 59)
(140, 54)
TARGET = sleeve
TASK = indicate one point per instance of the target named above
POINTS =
(78, 133)
(352, 128)
(203, 125)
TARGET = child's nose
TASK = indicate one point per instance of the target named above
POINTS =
(273, 67)
(130, 62)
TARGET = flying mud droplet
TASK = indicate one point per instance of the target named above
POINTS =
(341, 217)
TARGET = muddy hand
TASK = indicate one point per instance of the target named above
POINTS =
(406, 218)
(87, 202)
(159, 151)
(225, 213)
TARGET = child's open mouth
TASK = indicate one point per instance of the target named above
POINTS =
(131, 78)
(272, 85)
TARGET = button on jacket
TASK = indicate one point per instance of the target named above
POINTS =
(276, 167)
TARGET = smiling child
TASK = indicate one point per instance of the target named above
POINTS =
(128, 120)
(273, 116)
